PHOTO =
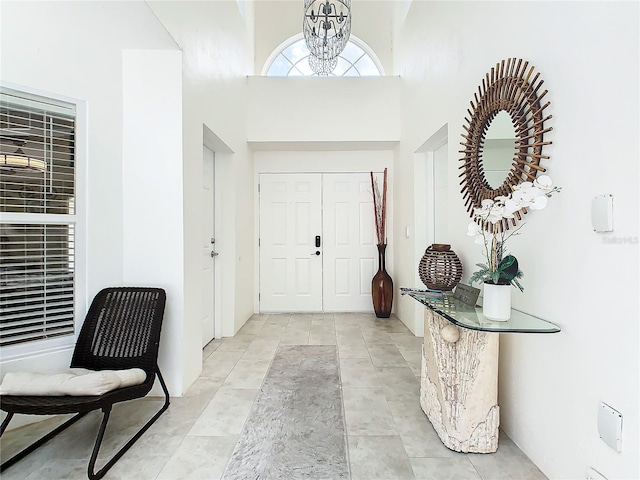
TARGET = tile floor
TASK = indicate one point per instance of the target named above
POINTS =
(389, 437)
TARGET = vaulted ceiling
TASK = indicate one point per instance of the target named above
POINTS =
(207, 31)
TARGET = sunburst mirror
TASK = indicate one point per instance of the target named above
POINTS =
(509, 92)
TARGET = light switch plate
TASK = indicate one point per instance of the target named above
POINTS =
(602, 213)
(610, 426)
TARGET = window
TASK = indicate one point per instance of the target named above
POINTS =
(37, 217)
(292, 60)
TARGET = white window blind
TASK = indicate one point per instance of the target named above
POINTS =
(37, 217)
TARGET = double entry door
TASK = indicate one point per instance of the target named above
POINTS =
(317, 242)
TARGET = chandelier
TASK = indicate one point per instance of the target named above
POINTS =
(322, 67)
(326, 28)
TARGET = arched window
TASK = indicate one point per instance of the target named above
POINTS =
(291, 59)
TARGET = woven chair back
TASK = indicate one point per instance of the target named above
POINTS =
(121, 330)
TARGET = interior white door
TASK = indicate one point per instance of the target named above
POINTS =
(290, 262)
(350, 254)
(208, 245)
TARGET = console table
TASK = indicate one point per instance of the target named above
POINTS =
(459, 374)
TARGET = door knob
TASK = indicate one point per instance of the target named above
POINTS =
(317, 252)
(214, 254)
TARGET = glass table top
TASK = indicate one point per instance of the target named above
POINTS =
(468, 316)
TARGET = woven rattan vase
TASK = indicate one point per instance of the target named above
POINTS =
(440, 267)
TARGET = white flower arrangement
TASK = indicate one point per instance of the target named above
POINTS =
(501, 269)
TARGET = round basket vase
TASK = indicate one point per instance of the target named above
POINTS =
(440, 267)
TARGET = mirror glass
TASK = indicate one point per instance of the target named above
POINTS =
(499, 149)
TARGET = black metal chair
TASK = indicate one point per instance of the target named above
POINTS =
(121, 331)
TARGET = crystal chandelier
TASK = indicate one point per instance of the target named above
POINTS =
(326, 28)
(322, 67)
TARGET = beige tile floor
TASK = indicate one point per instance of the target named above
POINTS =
(389, 437)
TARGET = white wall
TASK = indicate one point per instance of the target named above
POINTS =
(317, 109)
(152, 190)
(216, 62)
(74, 49)
(587, 54)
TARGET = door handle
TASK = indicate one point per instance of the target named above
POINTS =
(317, 252)
(214, 254)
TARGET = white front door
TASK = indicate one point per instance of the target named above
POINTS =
(300, 211)
(208, 245)
(290, 262)
(349, 242)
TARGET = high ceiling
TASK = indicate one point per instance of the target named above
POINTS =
(212, 33)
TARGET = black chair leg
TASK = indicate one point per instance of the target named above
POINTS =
(96, 448)
(5, 423)
(93, 475)
(38, 443)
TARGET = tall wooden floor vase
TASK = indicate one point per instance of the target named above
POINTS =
(382, 287)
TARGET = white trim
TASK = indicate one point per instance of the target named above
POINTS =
(42, 93)
(298, 36)
(82, 172)
(38, 218)
(21, 351)
(424, 210)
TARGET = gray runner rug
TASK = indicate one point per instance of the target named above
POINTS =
(296, 426)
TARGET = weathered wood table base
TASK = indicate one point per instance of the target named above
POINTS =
(459, 384)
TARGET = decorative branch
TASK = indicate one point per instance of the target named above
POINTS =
(380, 207)
(375, 204)
(384, 207)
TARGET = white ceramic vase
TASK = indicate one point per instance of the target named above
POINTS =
(496, 302)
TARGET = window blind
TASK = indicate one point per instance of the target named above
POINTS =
(37, 217)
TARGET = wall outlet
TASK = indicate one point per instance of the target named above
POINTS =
(594, 475)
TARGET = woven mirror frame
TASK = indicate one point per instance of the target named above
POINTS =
(513, 87)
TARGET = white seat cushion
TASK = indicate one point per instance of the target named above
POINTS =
(75, 381)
